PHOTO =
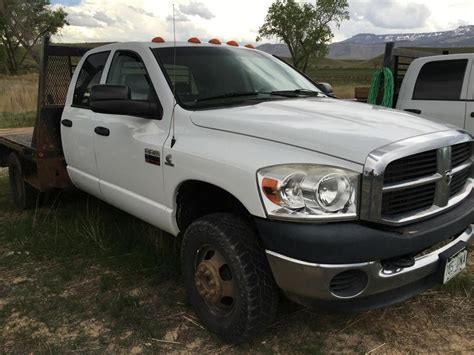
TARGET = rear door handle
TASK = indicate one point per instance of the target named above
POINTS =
(66, 123)
(102, 131)
(472, 114)
(413, 110)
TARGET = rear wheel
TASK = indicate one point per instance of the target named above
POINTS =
(227, 277)
(23, 195)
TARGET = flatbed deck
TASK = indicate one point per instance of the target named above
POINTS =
(18, 139)
(21, 136)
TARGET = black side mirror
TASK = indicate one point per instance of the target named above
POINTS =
(326, 88)
(115, 99)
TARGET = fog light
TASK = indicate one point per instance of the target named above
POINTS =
(348, 283)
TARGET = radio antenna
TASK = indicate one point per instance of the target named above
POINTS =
(173, 138)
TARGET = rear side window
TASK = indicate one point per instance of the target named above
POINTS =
(128, 69)
(90, 74)
(440, 80)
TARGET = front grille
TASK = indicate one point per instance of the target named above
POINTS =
(460, 153)
(408, 200)
(412, 167)
(404, 194)
(458, 182)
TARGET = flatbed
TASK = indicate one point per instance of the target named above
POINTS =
(17, 138)
(34, 155)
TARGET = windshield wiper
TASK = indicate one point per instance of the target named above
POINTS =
(296, 93)
(230, 95)
(284, 93)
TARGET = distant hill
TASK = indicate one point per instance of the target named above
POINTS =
(368, 45)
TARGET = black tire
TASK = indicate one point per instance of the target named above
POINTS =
(255, 294)
(23, 195)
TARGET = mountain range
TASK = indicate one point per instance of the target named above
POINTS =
(369, 45)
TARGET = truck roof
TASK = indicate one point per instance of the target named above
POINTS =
(145, 45)
(445, 57)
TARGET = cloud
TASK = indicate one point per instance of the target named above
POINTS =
(77, 19)
(140, 11)
(103, 17)
(197, 9)
(178, 16)
(391, 15)
(117, 20)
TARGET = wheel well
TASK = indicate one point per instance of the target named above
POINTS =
(196, 199)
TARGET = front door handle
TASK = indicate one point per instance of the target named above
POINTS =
(66, 123)
(102, 131)
(413, 110)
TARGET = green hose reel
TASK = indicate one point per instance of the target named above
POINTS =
(388, 87)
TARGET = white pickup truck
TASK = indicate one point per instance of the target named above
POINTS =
(440, 88)
(271, 184)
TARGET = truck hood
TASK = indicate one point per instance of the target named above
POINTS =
(348, 130)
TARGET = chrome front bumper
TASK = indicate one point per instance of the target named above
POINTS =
(312, 280)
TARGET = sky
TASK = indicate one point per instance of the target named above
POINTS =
(141, 20)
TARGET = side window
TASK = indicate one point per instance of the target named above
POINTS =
(128, 69)
(440, 80)
(90, 74)
(183, 79)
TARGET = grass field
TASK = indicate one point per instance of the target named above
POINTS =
(18, 93)
(79, 276)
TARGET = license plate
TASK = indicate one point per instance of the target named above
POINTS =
(455, 264)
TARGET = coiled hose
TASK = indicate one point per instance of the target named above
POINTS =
(388, 87)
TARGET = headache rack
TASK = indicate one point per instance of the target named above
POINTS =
(39, 148)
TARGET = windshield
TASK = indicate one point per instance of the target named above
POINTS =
(219, 76)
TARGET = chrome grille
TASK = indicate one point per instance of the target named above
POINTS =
(416, 178)
(411, 167)
(411, 199)
(461, 153)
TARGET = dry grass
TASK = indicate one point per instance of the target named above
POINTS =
(81, 276)
(346, 91)
(18, 93)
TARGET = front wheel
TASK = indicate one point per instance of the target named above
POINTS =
(227, 277)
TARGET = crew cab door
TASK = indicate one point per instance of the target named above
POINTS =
(129, 148)
(470, 103)
(437, 90)
(78, 122)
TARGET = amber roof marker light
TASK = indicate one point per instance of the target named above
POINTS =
(250, 46)
(215, 41)
(233, 43)
(194, 40)
(158, 40)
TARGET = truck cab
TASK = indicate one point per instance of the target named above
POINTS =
(441, 88)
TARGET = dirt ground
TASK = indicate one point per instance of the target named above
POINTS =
(79, 276)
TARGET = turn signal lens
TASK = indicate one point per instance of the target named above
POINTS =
(158, 40)
(270, 189)
(214, 41)
(194, 40)
(232, 43)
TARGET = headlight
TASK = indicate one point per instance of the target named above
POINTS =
(303, 191)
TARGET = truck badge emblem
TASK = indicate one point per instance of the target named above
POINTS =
(169, 160)
(152, 156)
(448, 177)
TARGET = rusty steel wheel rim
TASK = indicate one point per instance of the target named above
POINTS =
(214, 281)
